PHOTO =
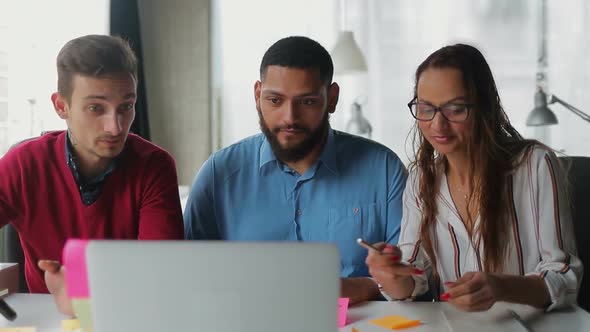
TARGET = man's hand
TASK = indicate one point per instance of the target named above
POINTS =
(56, 284)
(359, 289)
(474, 291)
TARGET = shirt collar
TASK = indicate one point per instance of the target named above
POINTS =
(327, 157)
(266, 154)
(329, 154)
(74, 165)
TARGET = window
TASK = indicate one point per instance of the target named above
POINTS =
(236, 59)
(27, 62)
(32, 33)
(395, 36)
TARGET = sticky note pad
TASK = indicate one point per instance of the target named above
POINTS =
(18, 329)
(342, 310)
(74, 260)
(395, 322)
(354, 330)
(70, 325)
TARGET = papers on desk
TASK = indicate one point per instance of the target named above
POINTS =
(67, 325)
(388, 322)
(498, 318)
(444, 317)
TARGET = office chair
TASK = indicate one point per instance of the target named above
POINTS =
(13, 253)
(578, 170)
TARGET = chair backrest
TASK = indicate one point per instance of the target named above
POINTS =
(13, 253)
(578, 169)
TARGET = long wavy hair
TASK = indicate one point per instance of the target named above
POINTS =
(495, 149)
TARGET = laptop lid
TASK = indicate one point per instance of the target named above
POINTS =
(213, 286)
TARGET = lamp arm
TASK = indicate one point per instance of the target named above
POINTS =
(571, 108)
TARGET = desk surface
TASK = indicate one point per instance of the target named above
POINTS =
(36, 310)
(39, 311)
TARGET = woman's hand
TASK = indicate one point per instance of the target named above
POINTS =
(478, 291)
(474, 291)
(386, 268)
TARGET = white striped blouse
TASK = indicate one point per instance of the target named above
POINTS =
(541, 241)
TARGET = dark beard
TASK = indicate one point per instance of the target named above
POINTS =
(301, 150)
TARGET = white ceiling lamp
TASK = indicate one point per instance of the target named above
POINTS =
(542, 115)
(346, 54)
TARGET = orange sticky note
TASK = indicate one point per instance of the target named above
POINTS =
(395, 322)
(354, 330)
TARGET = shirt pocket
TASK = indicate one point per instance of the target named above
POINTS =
(350, 222)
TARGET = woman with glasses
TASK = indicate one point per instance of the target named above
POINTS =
(486, 215)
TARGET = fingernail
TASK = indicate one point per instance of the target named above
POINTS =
(445, 296)
(389, 246)
(449, 283)
(418, 271)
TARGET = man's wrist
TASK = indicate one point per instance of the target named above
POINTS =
(405, 283)
(373, 288)
(499, 287)
(359, 289)
(382, 291)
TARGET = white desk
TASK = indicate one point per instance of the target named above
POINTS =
(34, 310)
(442, 316)
(39, 311)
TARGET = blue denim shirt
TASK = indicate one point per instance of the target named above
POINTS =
(354, 190)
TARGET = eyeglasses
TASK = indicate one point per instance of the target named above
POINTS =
(451, 111)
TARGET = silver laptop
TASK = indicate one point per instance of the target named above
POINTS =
(213, 286)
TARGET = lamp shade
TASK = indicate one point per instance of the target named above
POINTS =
(541, 115)
(347, 55)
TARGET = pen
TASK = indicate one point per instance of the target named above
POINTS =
(367, 246)
(521, 321)
(7, 311)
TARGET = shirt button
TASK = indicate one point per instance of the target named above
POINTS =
(299, 212)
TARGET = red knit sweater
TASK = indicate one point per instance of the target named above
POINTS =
(40, 198)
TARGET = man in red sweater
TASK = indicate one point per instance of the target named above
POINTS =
(95, 180)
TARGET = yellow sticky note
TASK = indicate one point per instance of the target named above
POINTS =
(395, 322)
(18, 329)
(354, 330)
(70, 325)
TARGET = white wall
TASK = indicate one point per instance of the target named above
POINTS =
(395, 37)
(398, 35)
(37, 30)
(176, 47)
(244, 31)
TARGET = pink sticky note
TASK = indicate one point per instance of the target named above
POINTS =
(342, 311)
(74, 259)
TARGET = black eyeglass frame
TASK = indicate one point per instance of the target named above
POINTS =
(439, 110)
